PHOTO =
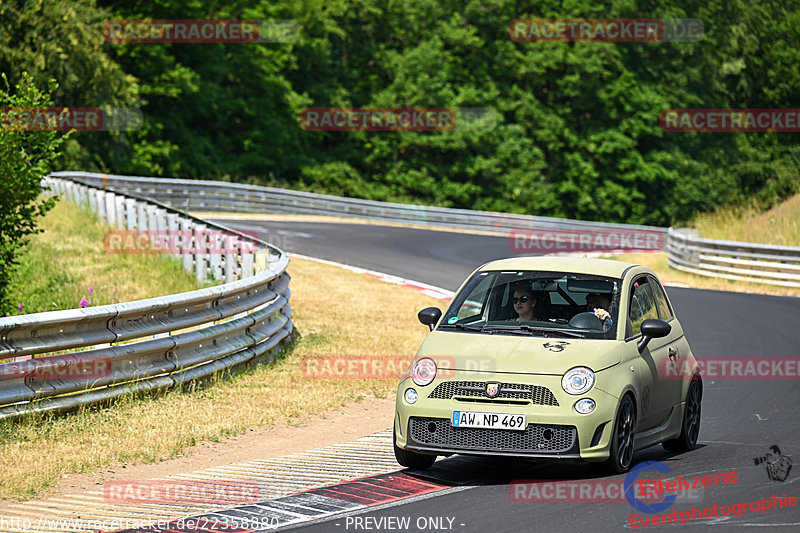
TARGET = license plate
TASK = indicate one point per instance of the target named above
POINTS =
(475, 419)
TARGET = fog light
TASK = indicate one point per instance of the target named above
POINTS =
(584, 406)
(411, 396)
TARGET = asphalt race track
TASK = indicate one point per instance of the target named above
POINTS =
(740, 420)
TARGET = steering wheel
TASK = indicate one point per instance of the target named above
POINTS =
(586, 320)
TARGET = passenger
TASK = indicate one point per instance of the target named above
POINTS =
(599, 303)
(524, 301)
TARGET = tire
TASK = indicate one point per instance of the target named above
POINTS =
(620, 457)
(417, 461)
(690, 425)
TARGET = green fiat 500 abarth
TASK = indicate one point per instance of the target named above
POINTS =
(551, 358)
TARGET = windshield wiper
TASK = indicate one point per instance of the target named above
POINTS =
(544, 331)
(465, 327)
(568, 333)
(522, 329)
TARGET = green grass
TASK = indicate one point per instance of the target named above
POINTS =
(59, 264)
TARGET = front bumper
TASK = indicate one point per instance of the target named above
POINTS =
(554, 431)
(438, 435)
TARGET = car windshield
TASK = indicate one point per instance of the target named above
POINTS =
(528, 302)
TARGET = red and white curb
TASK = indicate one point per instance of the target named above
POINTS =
(310, 505)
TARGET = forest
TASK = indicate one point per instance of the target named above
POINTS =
(549, 127)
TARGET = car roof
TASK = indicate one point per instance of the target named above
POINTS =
(580, 265)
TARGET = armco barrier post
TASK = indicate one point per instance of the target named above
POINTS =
(119, 208)
(186, 230)
(130, 214)
(141, 216)
(152, 225)
(111, 212)
(83, 199)
(233, 250)
(71, 192)
(92, 200)
(161, 220)
(215, 258)
(172, 233)
(200, 245)
(248, 259)
(101, 204)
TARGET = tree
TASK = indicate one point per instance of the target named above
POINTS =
(25, 157)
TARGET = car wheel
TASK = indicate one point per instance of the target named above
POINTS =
(417, 461)
(621, 455)
(690, 427)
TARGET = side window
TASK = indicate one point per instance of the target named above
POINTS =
(643, 305)
(661, 300)
(474, 303)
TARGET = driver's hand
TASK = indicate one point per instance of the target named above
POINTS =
(601, 313)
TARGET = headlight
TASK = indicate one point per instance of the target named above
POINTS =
(578, 380)
(424, 371)
(411, 396)
(585, 406)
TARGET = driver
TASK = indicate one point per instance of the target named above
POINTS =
(524, 300)
(598, 303)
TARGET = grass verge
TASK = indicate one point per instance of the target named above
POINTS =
(779, 225)
(59, 264)
(658, 262)
(337, 312)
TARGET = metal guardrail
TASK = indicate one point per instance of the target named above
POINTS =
(201, 195)
(742, 261)
(147, 344)
(777, 265)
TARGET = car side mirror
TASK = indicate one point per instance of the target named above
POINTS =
(430, 316)
(652, 328)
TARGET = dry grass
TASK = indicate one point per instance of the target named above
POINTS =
(338, 313)
(779, 225)
(658, 262)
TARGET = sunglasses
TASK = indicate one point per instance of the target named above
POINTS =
(521, 299)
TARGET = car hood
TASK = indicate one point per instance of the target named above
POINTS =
(518, 354)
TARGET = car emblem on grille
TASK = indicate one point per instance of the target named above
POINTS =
(492, 389)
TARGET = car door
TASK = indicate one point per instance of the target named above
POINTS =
(655, 393)
(677, 347)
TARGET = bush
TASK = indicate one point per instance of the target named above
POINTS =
(25, 157)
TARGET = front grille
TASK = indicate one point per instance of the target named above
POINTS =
(523, 393)
(438, 432)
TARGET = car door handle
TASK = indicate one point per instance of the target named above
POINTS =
(673, 352)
